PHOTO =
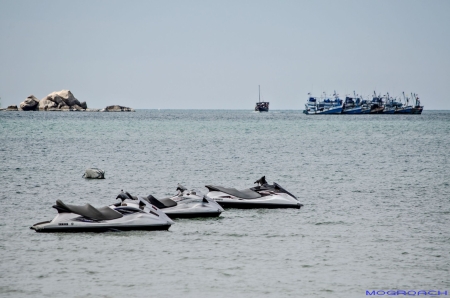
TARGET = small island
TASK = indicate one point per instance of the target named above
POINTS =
(63, 100)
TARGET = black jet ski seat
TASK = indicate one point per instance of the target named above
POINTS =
(89, 211)
(161, 203)
(244, 194)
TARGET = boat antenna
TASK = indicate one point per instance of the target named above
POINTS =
(259, 93)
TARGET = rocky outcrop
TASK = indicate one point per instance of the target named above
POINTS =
(29, 104)
(77, 108)
(63, 97)
(46, 105)
(12, 108)
(117, 108)
(63, 100)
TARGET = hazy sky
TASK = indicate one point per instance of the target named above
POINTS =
(213, 54)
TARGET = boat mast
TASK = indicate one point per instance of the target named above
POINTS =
(259, 93)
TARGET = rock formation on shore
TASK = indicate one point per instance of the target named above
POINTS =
(61, 101)
(29, 104)
(12, 108)
(117, 108)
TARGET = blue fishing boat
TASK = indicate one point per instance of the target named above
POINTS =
(314, 106)
(352, 105)
(328, 102)
(407, 109)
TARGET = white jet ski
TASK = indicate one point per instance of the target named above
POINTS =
(139, 216)
(262, 196)
(185, 204)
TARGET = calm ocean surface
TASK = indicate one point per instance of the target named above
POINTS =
(375, 189)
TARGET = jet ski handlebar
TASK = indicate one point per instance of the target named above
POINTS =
(181, 188)
(261, 181)
(125, 196)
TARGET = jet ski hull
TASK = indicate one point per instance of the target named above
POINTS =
(99, 229)
(251, 205)
(193, 214)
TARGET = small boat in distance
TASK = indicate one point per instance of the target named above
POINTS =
(261, 106)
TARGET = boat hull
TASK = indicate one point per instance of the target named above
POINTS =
(376, 110)
(389, 111)
(407, 110)
(417, 110)
(333, 110)
(356, 110)
(262, 106)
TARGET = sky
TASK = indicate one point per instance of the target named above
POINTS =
(214, 54)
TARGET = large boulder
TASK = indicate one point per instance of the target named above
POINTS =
(63, 97)
(83, 105)
(45, 104)
(29, 104)
(117, 108)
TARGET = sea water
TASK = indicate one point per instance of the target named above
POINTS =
(375, 190)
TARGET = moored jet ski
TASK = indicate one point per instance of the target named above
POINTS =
(262, 196)
(185, 204)
(71, 218)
